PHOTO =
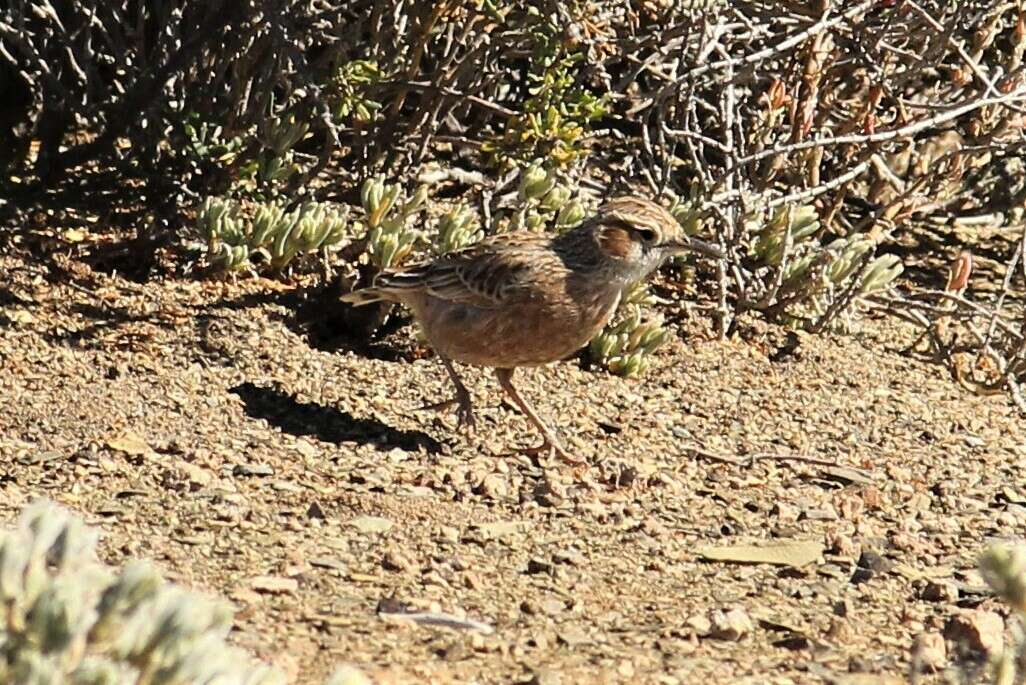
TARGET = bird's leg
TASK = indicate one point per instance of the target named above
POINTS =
(550, 443)
(465, 408)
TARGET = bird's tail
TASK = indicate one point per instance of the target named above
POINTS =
(363, 296)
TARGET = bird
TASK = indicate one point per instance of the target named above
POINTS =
(528, 299)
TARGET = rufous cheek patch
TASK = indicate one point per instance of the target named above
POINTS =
(615, 242)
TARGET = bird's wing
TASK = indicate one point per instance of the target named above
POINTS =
(488, 274)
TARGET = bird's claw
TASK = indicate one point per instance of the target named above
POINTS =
(552, 447)
(464, 411)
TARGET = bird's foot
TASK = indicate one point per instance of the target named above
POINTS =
(464, 411)
(552, 447)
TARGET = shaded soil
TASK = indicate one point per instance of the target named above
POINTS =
(194, 424)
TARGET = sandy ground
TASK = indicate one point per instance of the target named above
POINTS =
(195, 424)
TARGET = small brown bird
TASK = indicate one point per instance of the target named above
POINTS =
(526, 299)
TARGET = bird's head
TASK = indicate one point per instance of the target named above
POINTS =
(639, 235)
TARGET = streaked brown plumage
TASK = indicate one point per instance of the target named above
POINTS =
(525, 299)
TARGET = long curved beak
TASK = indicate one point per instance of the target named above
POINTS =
(686, 244)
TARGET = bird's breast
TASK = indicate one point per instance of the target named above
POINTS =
(528, 333)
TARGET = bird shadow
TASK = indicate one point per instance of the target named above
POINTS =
(327, 424)
(325, 323)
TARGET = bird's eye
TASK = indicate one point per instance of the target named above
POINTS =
(646, 234)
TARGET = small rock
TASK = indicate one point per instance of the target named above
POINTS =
(333, 563)
(254, 470)
(553, 606)
(826, 513)
(981, 630)
(832, 570)
(1007, 519)
(872, 496)
(975, 441)
(546, 676)
(838, 631)
(570, 557)
(131, 444)
(862, 575)
(785, 513)
(903, 542)
(195, 474)
(653, 527)
(701, 624)
(530, 608)
(501, 529)
(494, 486)
(936, 591)
(456, 651)
(796, 553)
(395, 561)
(794, 642)
(843, 608)
(842, 545)
(274, 585)
(306, 449)
(930, 651)
(625, 477)
(349, 675)
(846, 475)
(472, 581)
(547, 494)
(538, 566)
(314, 511)
(572, 636)
(371, 524)
(730, 625)
(850, 507)
(875, 562)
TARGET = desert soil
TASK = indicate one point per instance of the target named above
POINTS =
(193, 422)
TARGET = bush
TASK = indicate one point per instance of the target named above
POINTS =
(749, 110)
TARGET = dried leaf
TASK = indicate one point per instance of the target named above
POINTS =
(794, 553)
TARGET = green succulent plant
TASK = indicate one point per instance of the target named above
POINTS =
(206, 141)
(881, 274)
(279, 134)
(1003, 567)
(457, 229)
(279, 236)
(816, 285)
(390, 237)
(787, 223)
(545, 201)
(70, 620)
(688, 211)
(624, 346)
(350, 86)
